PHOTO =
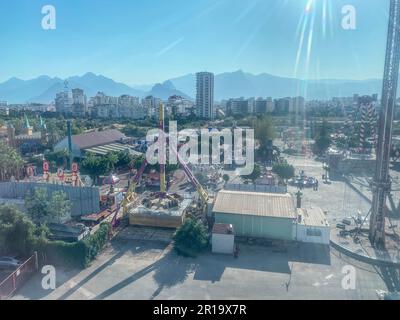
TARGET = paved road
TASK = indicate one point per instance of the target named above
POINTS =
(337, 198)
(133, 269)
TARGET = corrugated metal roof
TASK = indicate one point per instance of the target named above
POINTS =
(97, 138)
(104, 149)
(255, 203)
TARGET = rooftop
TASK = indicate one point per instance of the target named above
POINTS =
(312, 217)
(279, 205)
(222, 228)
(97, 138)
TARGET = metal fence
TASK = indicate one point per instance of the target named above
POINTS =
(16, 279)
(84, 200)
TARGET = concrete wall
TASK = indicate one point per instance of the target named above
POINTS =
(84, 200)
(301, 234)
(222, 243)
(258, 226)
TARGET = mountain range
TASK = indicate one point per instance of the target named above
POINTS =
(236, 84)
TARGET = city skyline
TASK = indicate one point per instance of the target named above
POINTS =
(148, 42)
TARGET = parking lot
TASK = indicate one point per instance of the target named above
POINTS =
(338, 199)
(134, 269)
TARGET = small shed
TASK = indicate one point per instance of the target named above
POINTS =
(223, 238)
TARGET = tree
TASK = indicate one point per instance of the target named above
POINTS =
(191, 238)
(94, 166)
(284, 170)
(43, 209)
(59, 206)
(124, 159)
(37, 206)
(264, 132)
(255, 174)
(110, 159)
(11, 163)
(225, 177)
(323, 139)
(17, 232)
(58, 158)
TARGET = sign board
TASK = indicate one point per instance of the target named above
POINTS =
(74, 167)
(60, 174)
(46, 176)
(88, 181)
(46, 166)
(30, 171)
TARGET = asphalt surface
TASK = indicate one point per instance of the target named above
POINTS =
(135, 269)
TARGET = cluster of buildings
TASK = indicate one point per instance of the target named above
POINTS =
(4, 109)
(259, 106)
(75, 103)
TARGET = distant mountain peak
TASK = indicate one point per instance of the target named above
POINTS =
(168, 84)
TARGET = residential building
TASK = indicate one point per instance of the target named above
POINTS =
(262, 106)
(4, 109)
(64, 102)
(205, 95)
(179, 106)
(283, 105)
(79, 105)
(298, 106)
(130, 107)
(151, 104)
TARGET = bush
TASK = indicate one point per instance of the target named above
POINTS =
(191, 238)
(284, 170)
(76, 254)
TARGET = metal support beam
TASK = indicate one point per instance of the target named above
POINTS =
(381, 184)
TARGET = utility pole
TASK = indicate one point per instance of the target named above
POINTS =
(381, 183)
(69, 130)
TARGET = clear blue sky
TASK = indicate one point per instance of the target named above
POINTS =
(147, 41)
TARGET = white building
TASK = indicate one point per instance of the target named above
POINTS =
(79, 103)
(262, 106)
(130, 107)
(223, 238)
(4, 110)
(240, 106)
(177, 105)
(312, 226)
(64, 102)
(298, 106)
(205, 95)
(151, 104)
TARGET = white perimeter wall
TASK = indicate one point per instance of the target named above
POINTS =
(222, 243)
(301, 234)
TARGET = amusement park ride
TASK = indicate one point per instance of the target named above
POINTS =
(381, 185)
(130, 196)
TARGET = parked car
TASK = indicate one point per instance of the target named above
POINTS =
(9, 263)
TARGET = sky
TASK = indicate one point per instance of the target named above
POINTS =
(149, 41)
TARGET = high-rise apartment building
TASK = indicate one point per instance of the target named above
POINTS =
(205, 95)
(64, 102)
(79, 105)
